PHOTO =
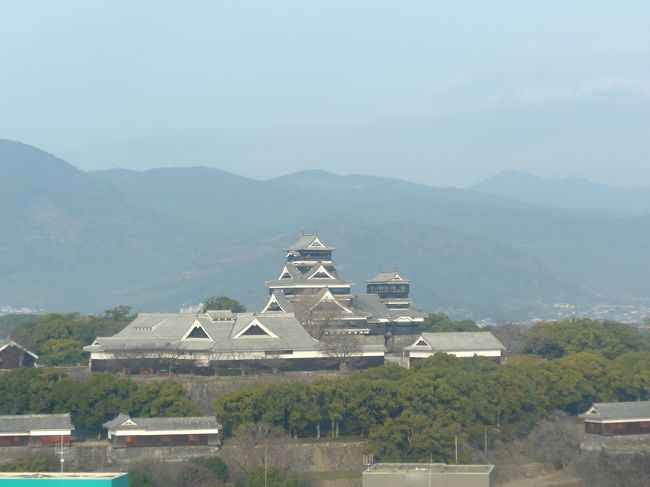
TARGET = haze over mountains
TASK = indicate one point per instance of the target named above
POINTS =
(159, 239)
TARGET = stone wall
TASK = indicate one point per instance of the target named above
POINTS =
(615, 461)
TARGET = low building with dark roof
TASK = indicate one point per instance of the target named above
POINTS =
(13, 355)
(428, 475)
(35, 430)
(460, 344)
(125, 431)
(618, 418)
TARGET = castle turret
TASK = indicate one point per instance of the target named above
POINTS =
(392, 289)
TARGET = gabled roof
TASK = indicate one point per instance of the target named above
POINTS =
(29, 422)
(308, 242)
(290, 271)
(125, 422)
(8, 342)
(162, 333)
(604, 411)
(462, 341)
(279, 300)
(320, 272)
(387, 276)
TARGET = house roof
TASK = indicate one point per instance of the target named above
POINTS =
(387, 276)
(308, 242)
(8, 342)
(457, 341)
(25, 423)
(126, 422)
(604, 411)
(163, 332)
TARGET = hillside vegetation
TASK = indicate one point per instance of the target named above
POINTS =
(160, 238)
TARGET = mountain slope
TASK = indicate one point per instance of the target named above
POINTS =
(164, 238)
(573, 193)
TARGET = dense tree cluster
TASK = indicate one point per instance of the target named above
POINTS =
(92, 402)
(223, 303)
(440, 322)
(58, 338)
(411, 414)
(556, 339)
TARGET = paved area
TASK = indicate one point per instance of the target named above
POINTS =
(550, 480)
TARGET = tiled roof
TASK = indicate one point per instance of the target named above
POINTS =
(29, 422)
(161, 332)
(387, 276)
(6, 342)
(458, 341)
(155, 424)
(304, 243)
(618, 410)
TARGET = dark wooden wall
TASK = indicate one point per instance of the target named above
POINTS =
(11, 357)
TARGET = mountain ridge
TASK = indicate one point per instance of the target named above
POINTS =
(171, 236)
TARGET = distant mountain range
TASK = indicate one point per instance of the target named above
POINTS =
(572, 193)
(164, 238)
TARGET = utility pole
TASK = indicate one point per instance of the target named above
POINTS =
(266, 454)
(456, 447)
(485, 442)
(61, 452)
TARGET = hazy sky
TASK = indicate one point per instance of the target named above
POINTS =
(444, 93)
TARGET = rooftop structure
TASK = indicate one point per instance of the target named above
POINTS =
(51, 479)
(428, 474)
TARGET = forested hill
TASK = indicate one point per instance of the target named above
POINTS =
(163, 238)
(573, 193)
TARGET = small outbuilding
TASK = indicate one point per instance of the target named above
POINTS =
(428, 475)
(460, 344)
(35, 430)
(618, 418)
(14, 355)
(125, 431)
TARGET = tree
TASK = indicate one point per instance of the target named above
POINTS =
(119, 313)
(215, 465)
(161, 398)
(44, 461)
(271, 477)
(440, 322)
(223, 303)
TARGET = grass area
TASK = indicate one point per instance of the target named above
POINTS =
(343, 474)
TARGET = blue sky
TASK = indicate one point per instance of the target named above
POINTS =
(444, 93)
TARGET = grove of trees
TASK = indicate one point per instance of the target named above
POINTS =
(92, 402)
(410, 414)
(58, 339)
